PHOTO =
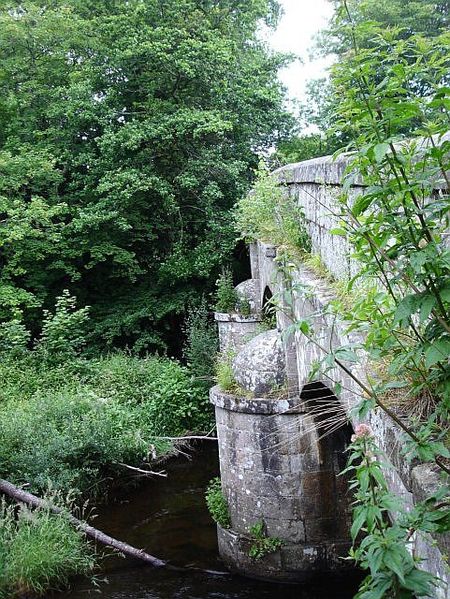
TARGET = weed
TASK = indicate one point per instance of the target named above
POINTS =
(38, 551)
(224, 371)
(217, 504)
(227, 297)
(262, 544)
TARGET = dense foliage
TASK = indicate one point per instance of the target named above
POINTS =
(69, 426)
(68, 422)
(127, 131)
(226, 295)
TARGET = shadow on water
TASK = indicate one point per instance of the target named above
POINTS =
(168, 518)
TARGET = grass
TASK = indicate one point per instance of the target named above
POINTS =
(39, 551)
(224, 372)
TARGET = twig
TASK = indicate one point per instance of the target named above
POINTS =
(189, 438)
(163, 473)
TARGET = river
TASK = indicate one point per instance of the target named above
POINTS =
(168, 518)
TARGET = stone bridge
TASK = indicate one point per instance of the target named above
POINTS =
(276, 465)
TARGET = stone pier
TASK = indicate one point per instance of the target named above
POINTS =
(275, 470)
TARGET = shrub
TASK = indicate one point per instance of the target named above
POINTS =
(217, 504)
(227, 297)
(71, 434)
(201, 344)
(63, 333)
(38, 551)
(14, 338)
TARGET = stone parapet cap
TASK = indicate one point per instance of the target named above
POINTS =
(255, 405)
(235, 317)
(328, 170)
(324, 170)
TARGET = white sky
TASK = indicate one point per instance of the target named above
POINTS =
(301, 20)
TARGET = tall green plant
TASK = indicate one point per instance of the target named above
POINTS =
(64, 332)
(201, 343)
(226, 295)
(271, 215)
(384, 551)
(398, 225)
(393, 104)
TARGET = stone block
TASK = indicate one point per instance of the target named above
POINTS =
(321, 529)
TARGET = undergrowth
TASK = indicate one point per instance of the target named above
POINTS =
(69, 427)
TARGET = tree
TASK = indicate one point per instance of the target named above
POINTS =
(406, 17)
(424, 17)
(127, 132)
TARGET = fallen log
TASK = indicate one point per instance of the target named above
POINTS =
(24, 497)
(21, 496)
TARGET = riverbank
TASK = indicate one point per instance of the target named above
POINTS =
(70, 430)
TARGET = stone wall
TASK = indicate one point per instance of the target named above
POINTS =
(316, 186)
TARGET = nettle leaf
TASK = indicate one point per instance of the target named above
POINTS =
(406, 308)
(304, 326)
(358, 522)
(438, 351)
(420, 582)
(380, 151)
(361, 204)
(426, 306)
(338, 231)
(393, 561)
(417, 260)
(345, 353)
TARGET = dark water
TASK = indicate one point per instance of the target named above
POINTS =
(168, 518)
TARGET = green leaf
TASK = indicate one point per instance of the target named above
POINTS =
(358, 523)
(406, 308)
(393, 561)
(380, 151)
(420, 582)
(361, 204)
(445, 293)
(438, 351)
(426, 306)
(344, 353)
(338, 231)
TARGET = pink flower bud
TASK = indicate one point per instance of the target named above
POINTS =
(361, 430)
